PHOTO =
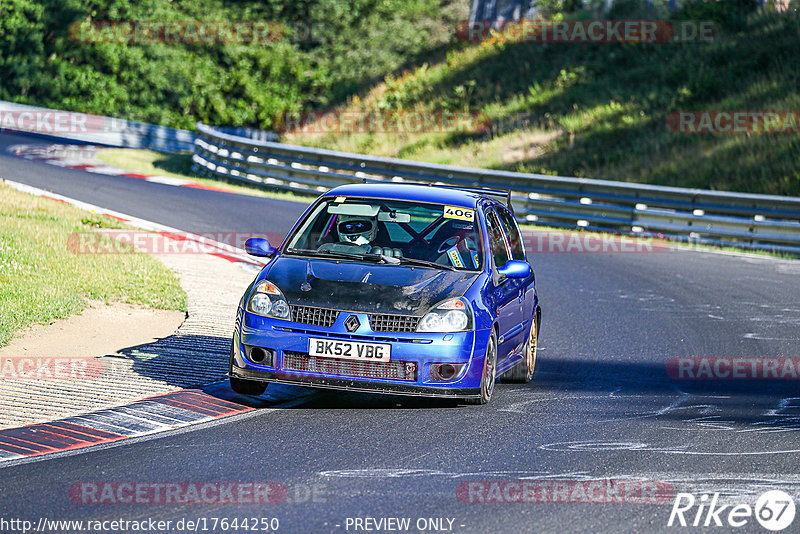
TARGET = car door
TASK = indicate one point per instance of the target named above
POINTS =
(505, 292)
(525, 286)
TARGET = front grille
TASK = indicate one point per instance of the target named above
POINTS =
(314, 316)
(385, 322)
(380, 322)
(392, 370)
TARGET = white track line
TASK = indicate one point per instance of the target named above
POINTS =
(231, 253)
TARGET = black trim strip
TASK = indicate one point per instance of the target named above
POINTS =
(353, 385)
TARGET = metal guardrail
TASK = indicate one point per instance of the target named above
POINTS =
(93, 129)
(720, 217)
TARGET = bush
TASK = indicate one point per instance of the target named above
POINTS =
(730, 14)
(337, 47)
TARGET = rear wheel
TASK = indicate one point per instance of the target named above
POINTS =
(489, 374)
(522, 372)
(242, 386)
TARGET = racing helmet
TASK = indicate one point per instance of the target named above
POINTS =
(356, 229)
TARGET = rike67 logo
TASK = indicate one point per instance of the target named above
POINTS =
(774, 510)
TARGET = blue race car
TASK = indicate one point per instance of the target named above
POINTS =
(392, 288)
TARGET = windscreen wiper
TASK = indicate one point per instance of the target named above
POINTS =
(380, 258)
(425, 263)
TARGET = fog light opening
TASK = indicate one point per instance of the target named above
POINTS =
(444, 372)
(258, 355)
(447, 370)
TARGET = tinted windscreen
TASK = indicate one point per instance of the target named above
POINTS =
(447, 235)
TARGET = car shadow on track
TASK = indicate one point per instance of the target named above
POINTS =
(646, 378)
(183, 361)
(762, 403)
(195, 362)
(346, 400)
(201, 362)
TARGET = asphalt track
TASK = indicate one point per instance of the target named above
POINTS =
(601, 406)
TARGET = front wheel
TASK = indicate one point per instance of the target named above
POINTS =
(247, 387)
(242, 386)
(489, 375)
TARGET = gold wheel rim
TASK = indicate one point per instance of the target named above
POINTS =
(532, 347)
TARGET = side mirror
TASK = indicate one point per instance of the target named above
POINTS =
(515, 269)
(258, 246)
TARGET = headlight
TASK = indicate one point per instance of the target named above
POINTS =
(451, 315)
(268, 301)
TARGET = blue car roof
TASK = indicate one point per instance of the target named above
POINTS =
(413, 192)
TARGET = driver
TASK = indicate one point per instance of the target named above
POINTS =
(360, 231)
(356, 234)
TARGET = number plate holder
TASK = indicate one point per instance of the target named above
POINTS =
(349, 350)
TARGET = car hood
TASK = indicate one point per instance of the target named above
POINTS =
(366, 287)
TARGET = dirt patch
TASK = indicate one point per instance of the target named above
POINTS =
(529, 146)
(101, 329)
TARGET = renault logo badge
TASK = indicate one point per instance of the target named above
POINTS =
(352, 323)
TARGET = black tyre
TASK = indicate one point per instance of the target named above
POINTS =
(489, 375)
(247, 387)
(242, 386)
(522, 372)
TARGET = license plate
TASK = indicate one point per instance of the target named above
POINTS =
(349, 350)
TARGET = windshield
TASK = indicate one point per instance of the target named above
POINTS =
(448, 236)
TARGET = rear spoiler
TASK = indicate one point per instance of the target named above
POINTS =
(497, 193)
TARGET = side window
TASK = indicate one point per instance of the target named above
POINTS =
(512, 231)
(496, 240)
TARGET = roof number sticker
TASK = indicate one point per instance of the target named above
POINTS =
(463, 214)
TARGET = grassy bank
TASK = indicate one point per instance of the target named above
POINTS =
(573, 109)
(601, 110)
(41, 280)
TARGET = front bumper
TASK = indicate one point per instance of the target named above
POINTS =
(358, 385)
(288, 342)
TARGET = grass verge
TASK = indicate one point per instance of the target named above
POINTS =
(599, 110)
(180, 166)
(42, 280)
